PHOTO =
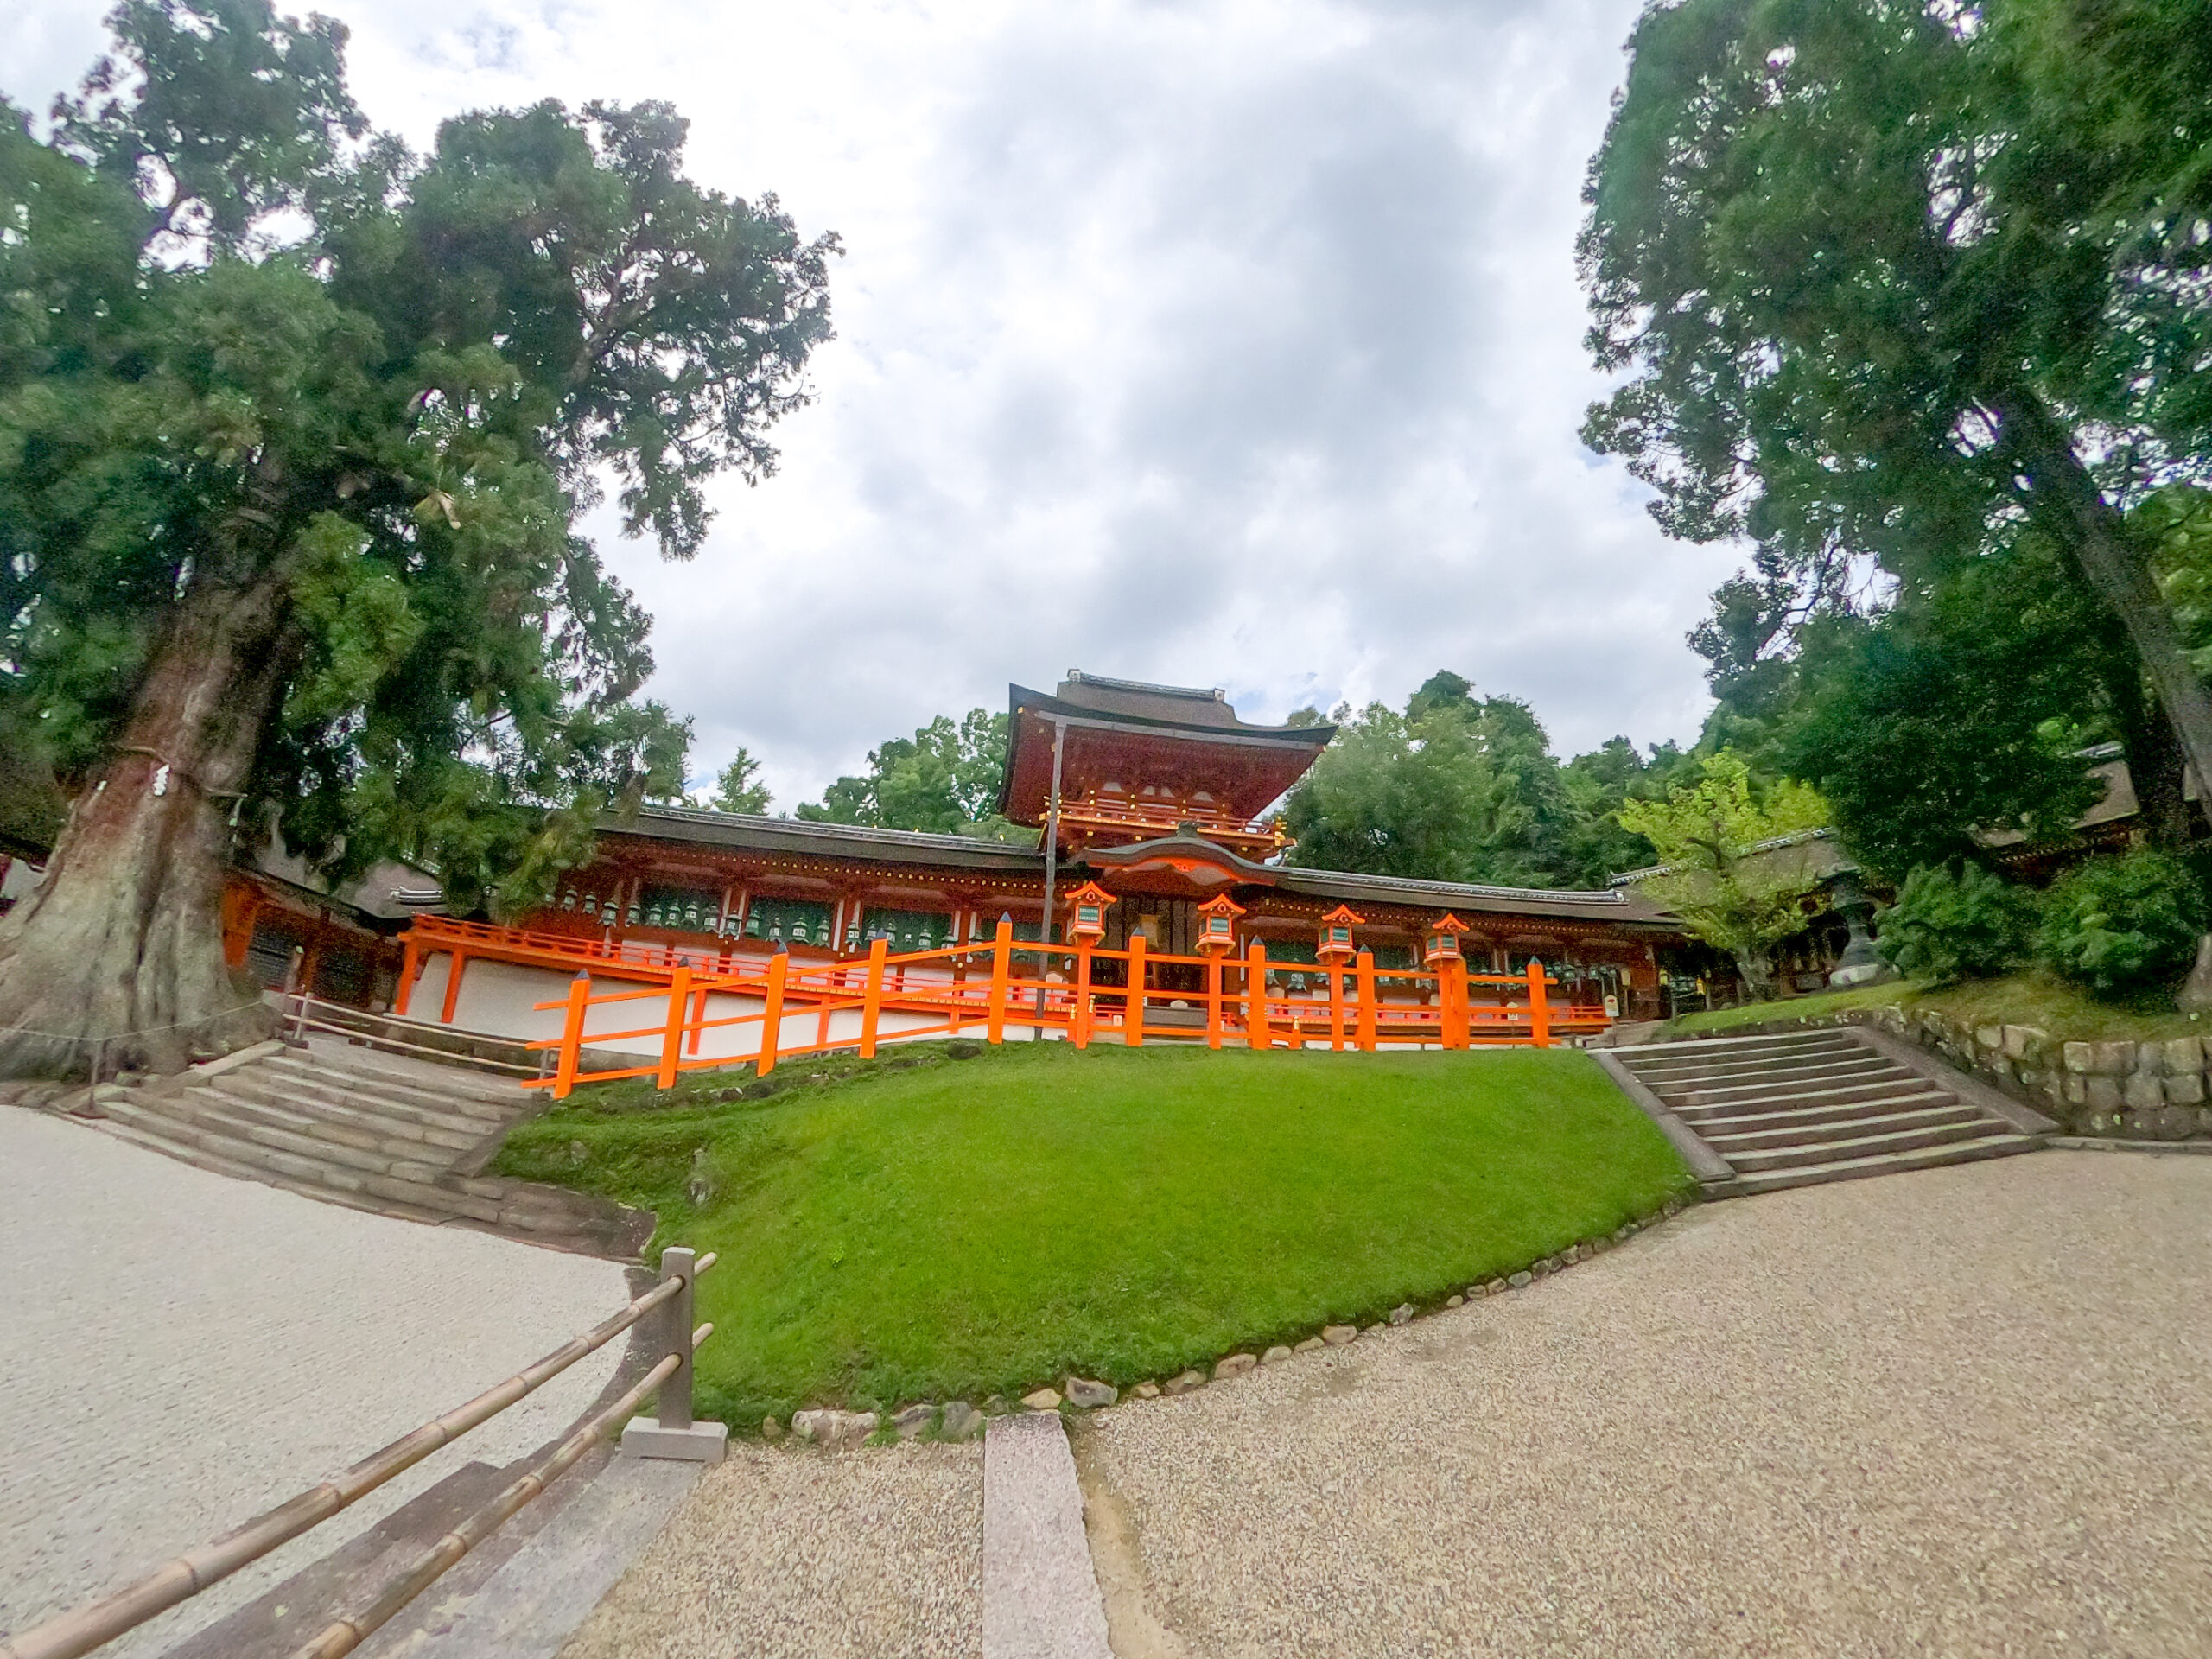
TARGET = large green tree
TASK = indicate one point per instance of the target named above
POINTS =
(294, 428)
(1888, 280)
(944, 778)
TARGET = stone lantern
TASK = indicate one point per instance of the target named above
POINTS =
(1861, 963)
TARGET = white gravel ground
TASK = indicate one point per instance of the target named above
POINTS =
(179, 1351)
(800, 1553)
(1958, 1412)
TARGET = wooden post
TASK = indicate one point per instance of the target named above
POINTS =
(1133, 1026)
(455, 963)
(679, 1010)
(572, 1036)
(1364, 971)
(1213, 1000)
(698, 1019)
(1002, 962)
(1255, 997)
(772, 1015)
(410, 963)
(872, 996)
(1336, 1009)
(1540, 1014)
(1079, 1016)
(1454, 980)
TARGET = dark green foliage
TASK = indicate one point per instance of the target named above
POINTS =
(1946, 926)
(2124, 923)
(1463, 788)
(736, 787)
(248, 357)
(945, 777)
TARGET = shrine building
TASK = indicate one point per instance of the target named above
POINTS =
(1150, 802)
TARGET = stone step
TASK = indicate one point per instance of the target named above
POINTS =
(1999, 1142)
(457, 1081)
(379, 1118)
(1657, 1072)
(1775, 1043)
(237, 1119)
(1734, 1122)
(341, 1083)
(313, 1168)
(1861, 1085)
(1782, 1079)
(1945, 1112)
(201, 1159)
(1803, 1154)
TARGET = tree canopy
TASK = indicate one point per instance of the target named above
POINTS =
(944, 779)
(295, 428)
(1891, 282)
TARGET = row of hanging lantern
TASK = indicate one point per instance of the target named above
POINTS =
(1218, 928)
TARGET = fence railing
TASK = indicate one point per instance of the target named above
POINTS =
(1081, 992)
(176, 1580)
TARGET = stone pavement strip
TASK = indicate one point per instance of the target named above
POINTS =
(1962, 1411)
(178, 1350)
(1040, 1595)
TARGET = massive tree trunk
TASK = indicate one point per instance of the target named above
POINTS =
(118, 955)
(2095, 534)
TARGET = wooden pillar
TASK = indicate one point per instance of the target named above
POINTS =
(672, 1041)
(1079, 1016)
(1336, 1009)
(1213, 999)
(1134, 1022)
(410, 963)
(1539, 1016)
(1002, 960)
(455, 962)
(1255, 996)
(698, 1019)
(1453, 983)
(572, 1036)
(872, 996)
(1364, 980)
(772, 1015)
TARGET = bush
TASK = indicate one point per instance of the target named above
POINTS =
(2118, 924)
(1945, 927)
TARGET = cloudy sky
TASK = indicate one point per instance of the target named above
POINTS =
(1226, 344)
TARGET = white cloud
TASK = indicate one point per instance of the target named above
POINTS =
(1219, 343)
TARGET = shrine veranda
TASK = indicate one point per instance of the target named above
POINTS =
(1157, 863)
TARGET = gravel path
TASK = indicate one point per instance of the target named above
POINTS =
(178, 1350)
(779, 1555)
(1962, 1411)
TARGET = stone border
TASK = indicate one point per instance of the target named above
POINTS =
(2106, 1143)
(1714, 1172)
(957, 1420)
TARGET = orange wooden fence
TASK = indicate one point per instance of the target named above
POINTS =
(990, 988)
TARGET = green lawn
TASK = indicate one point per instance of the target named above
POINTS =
(2034, 998)
(928, 1227)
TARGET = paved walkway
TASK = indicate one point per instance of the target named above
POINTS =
(1962, 1411)
(178, 1350)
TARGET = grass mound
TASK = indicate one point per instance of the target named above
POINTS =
(2034, 998)
(927, 1226)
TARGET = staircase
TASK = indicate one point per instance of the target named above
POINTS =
(1825, 1105)
(345, 1125)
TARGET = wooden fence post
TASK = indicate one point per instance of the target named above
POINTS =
(772, 1015)
(1336, 1009)
(1213, 1000)
(1365, 986)
(1255, 997)
(696, 1022)
(1133, 1020)
(572, 1036)
(1455, 1004)
(456, 959)
(679, 1013)
(1001, 962)
(872, 996)
(1540, 1014)
(410, 963)
(1079, 1015)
